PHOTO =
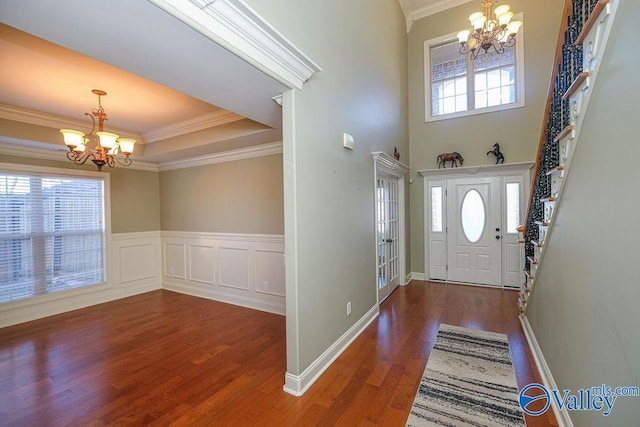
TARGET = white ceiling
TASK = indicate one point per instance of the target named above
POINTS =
(416, 9)
(163, 78)
(44, 77)
(179, 93)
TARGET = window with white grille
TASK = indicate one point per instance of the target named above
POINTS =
(52, 232)
(448, 79)
(456, 86)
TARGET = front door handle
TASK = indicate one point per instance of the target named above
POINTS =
(389, 240)
(497, 237)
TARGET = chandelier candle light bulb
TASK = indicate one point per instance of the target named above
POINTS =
(107, 140)
(108, 144)
(126, 145)
(505, 18)
(489, 32)
(73, 138)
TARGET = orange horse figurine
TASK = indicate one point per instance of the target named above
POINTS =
(454, 158)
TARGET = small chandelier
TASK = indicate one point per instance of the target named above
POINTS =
(107, 145)
(487, 32)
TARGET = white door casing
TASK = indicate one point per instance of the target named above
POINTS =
(488, 252)
(390, 223)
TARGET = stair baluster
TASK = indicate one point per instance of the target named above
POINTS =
(557, 131)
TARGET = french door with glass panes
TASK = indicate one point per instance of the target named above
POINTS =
(387, 227)
(471, 235)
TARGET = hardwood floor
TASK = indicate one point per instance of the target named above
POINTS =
(164, 358)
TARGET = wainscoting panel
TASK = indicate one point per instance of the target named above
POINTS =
(201, 264)
(138, 262)
(234, 268)
(174, 260)
(240, 269)
(269, 272)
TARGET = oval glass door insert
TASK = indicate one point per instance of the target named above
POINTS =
(472, 216)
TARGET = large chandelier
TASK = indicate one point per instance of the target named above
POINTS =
(489, 33)
(107, 145)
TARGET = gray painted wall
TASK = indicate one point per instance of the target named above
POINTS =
(584, 309)
(243, 196)
(362, 90)
(517, 130)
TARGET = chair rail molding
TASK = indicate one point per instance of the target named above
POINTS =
(238, 28)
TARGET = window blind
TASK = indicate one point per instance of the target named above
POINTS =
(52, 233)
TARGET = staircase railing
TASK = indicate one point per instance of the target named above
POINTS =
(577, 18)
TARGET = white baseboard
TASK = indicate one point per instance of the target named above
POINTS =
(38, 308)
(562, 415)
(246, 302)
(297, 385)
(417, 276)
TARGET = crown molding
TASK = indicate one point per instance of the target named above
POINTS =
(194, 124)
(437, 7)
(239, 29)
(226, 156)
(406, 11)
(12, 147)
(29, 149)
(409, 20)
(38, 118)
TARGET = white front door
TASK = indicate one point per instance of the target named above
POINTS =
(387, 228)
(471, 219)
(474, 230)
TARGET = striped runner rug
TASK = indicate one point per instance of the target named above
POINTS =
(469, 381)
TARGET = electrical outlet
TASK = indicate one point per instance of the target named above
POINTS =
(172, 271)
(349, 308)
(265, 285)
